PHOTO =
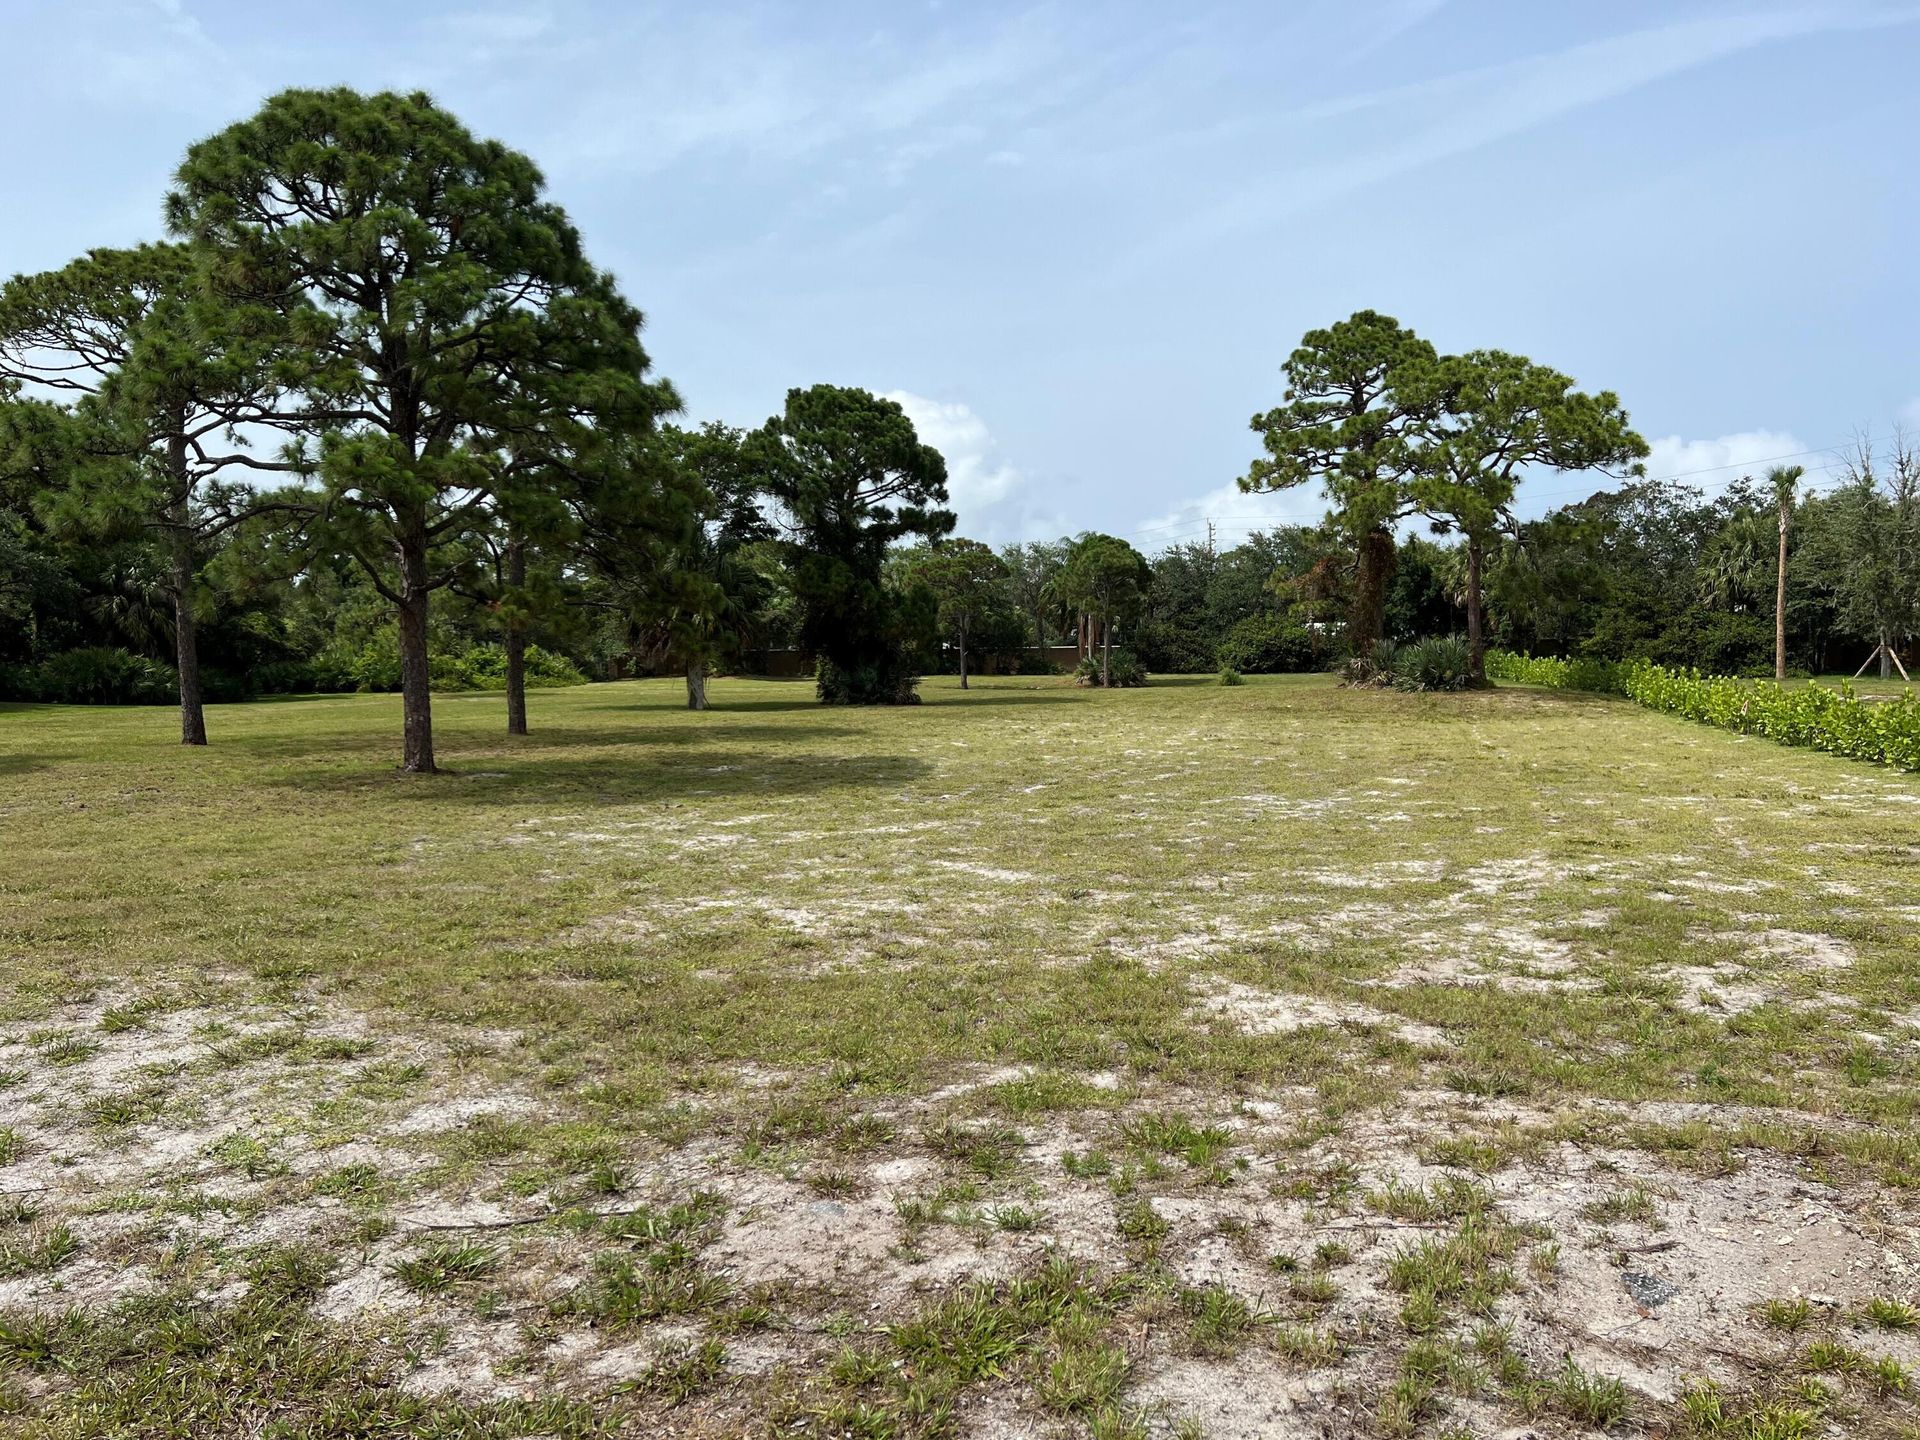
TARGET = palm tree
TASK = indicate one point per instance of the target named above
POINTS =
(1783, 478)
(1732, 563)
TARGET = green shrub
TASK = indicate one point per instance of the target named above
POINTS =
(1375, 669)
(1605, 677)
(96, 675)
(1814, 716)
(376, 666)
(892, 681)
(1123, 669)
(1834, 720)
(484, 667)
(1438, 662)
(1267, 645)
(1231, 676)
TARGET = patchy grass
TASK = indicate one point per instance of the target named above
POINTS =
(1196, 1059)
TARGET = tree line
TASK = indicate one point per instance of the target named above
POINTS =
(370, 419)
(374, 371)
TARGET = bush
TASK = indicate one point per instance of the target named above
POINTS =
(1836, 720)
(1175, 647)
(890, 682)
(1439, 662)
(1717, 642)
(295, 677)
(1375, 669)
(376, 666)
(1124, 669)
(97, 675)
(484, 667)
(1603, 677)
(1267, 645)
(1231, 676)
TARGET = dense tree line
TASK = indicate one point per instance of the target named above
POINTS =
(446, 421)
(371, 420)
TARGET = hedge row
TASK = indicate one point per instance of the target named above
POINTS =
(1605, 677)
(1886, 732)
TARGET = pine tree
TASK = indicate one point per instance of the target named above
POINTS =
(454, 353)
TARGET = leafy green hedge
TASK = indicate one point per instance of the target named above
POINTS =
(1837, 721)
(1605, 677)
(1814, 716)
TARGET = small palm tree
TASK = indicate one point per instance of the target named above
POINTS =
(1733, 564)
(1783, 478)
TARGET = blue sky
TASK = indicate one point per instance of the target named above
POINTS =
(1077, 240)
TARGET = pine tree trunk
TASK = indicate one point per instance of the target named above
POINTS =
(696, 685)
(1106, 654)
(963, 652)
(1780, 602)
(1373, 572)
(1476, 639)
(1886, 656)
(416, 686)
(186, 636)
(516, 644)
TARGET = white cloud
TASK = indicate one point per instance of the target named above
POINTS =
(1234, 513)
(1711, 465)
(994, 501)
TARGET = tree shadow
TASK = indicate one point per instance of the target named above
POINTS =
(464, 748)
(495, 778)
(1050, 695)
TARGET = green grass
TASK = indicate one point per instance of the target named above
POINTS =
(1083, 966)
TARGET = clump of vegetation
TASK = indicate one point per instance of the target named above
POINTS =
(1890, 1313)
(1604, 677)
(683, 1370)
(1596, 1400)
(36, 1254)
(1790, 1313)
(1121, 670)
(1436, 662)
(1835, 720)
(444, 1264)
(1231, 676)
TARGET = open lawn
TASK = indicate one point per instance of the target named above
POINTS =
(1260, 1061)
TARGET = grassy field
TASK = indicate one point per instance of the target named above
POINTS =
(1870, 686)
(1260, 1061)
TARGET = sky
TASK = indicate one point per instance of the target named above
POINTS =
(1076, 241)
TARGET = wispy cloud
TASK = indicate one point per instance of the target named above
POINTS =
(1389, 132)
(1232, 513)
(993, 500)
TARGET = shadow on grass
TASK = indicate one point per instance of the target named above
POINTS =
(495, 777)
(463, 747)
(1038, 696)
